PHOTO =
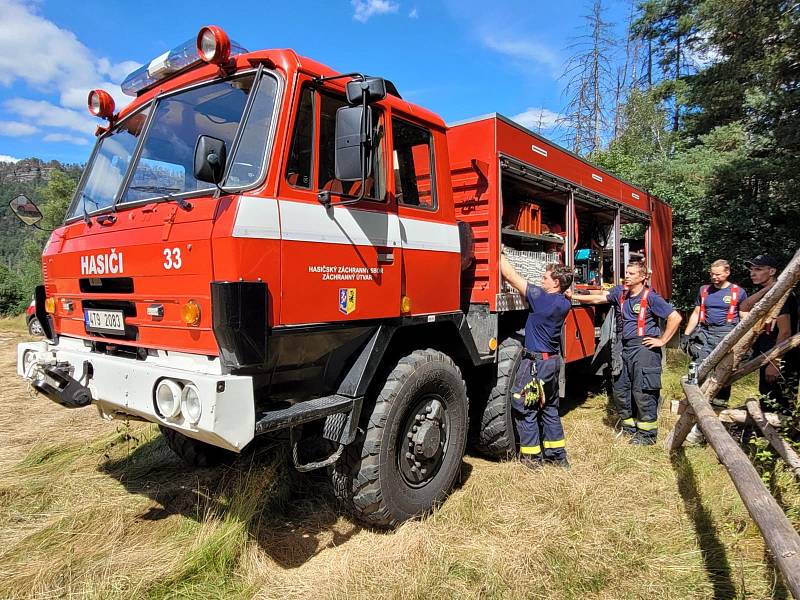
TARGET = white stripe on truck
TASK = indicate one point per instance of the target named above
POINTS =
(266, 218)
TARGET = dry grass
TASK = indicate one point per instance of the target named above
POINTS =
(103, 510)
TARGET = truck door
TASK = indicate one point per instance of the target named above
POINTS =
(338, 263)
(431, 248)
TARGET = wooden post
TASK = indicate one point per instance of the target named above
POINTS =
(779, 534)
(773, 437)
(767, 357)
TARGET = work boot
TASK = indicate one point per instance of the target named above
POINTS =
(558, 462)
(695, 437)
(639, 439)
(534, 464)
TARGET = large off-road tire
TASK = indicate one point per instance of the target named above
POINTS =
(194, 452)
(408, 456)
(495, 436)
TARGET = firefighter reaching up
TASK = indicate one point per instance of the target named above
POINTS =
(534, 393)
(637, 376)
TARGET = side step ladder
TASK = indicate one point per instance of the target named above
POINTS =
(341, 414)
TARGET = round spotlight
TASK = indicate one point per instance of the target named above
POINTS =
(213, 45)
(101, 104)
(168, 398)
(190, 403)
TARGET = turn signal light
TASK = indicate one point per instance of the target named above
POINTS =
(492, 344)
(405, 304)
(101, 104)
(50, 305)
(190, 313)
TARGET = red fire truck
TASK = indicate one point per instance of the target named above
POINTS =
(261, 244)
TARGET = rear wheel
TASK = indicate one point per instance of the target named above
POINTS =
(495, 436)
(194, 452)
(408, 457)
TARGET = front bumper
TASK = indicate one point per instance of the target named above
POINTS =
(124, 387)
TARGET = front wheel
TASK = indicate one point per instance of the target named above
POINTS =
(409, 456)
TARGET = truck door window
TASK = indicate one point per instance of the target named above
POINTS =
(326, 178)
(414, 178)
(298, 168)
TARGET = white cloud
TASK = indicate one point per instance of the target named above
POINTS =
(364, 9)
(65, 137)
(537, 119)
(49, 115)
(413, 14)
(8, 159)
(50, 60)
(15, 128)
(524, 50)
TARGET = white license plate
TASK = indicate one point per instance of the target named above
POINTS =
(104, 321)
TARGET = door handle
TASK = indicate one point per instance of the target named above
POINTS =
(385, 257)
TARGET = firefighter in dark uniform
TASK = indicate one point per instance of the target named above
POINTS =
(534, 392)
(637, 384)
(778, 381)
(716, 312)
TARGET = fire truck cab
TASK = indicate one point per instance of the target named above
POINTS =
(260, 244)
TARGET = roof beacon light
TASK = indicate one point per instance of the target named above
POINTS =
(213, 45)
(182, 57)
(101, 104)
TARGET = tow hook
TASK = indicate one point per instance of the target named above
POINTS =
(56, 383)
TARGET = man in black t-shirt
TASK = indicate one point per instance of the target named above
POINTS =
(777, 380)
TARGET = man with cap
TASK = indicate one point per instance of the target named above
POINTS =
(777, 381)
(717, 310)
(534, 393)
(638, 384)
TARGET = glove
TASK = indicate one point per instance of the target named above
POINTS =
(684, 343)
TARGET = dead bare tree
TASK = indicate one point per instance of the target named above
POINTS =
(590, 80)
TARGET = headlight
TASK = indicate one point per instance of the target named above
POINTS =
(28, 358)
(168, 398)
(190, 403)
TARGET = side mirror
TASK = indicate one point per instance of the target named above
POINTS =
(26, 210)
(350, 153)
(210, 156)
(373, 87)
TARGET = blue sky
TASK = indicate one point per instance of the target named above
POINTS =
(459, 58)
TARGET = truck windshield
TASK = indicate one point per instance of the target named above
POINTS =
(164, 166)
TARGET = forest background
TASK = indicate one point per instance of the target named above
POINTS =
(699, 104)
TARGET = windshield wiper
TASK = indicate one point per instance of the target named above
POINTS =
(86, 218)
(167, 191)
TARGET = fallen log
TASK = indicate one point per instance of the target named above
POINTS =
(740, 415)
(775, 440)
(779, 534)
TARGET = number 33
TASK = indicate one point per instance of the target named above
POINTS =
(172, 258)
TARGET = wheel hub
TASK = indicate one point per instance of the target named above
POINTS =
(426, 437)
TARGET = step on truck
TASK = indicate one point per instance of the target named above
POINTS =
(259, 245)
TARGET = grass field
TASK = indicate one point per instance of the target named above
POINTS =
(104, 510)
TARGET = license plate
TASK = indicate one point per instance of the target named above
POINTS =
(104, 321)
